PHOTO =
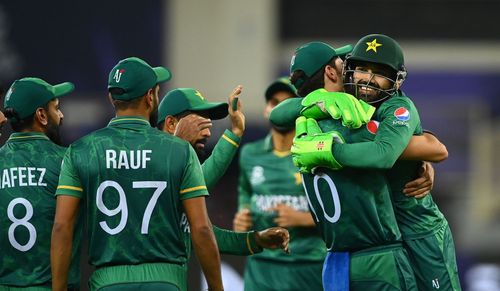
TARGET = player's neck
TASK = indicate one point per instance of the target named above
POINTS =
(282, 141)
(132, 112)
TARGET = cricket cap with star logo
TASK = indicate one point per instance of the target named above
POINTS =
(27, 94)
(135, 77)
(188, 99)
(379, 49)
(312, 56)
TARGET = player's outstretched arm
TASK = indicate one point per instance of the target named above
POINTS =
(62, 240)
(425, 147)
(204, 242)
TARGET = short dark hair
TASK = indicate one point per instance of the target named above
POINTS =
(124, 104)
(316, 81)
(20, 124)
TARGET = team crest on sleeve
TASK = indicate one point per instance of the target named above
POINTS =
(372, 126)
(402, 114)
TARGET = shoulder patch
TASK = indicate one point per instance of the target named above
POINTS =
(372, 126)
(402, 114)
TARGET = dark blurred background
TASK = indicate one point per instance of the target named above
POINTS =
(452, 51)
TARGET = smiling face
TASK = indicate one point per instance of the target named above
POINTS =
(370, 82)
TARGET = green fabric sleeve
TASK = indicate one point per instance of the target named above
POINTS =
(285, 113)
(393, 136)
(216, 165)
(69, 182)
(193, 183)
(244, 186)
(236, 243)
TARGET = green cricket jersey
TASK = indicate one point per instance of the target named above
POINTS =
(352, 207)
(131, 179)
(398, 121)
(30, 165)
(214, 167)
(268, 178)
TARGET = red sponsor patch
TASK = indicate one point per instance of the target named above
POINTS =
(372, 126)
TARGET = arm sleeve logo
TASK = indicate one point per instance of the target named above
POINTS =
(402, 114)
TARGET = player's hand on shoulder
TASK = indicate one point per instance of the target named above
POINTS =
(273, 238)
(188, 127)
(235, 113)
(421, 186)
(243, 220)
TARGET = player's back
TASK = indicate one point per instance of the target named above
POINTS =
(352, 207)
(131, 177)
(30, 165)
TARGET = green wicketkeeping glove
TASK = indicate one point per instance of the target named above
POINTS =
(311, 148)
(339, 105)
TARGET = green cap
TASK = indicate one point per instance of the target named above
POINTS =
(281, 84)
(188, 99)
(314, 55)
(135, 77)
(27, 94)
(379, 49)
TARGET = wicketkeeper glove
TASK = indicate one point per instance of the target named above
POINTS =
(323, 104)
(311, 148)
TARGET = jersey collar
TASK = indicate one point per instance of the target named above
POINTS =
(22, 136)
(122, 120)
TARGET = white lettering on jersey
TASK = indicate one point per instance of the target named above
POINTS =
(128, 159)
(268, 202)
(22, 177)
(435, 283)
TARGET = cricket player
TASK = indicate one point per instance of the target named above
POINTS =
(346, 236)
(135, 183)
(30, 164)
(185, 113)
(271, 194)
(374, 72)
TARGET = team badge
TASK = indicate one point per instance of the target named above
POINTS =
(402, 114)
(257, 175)
(118, 75)
(372, 126)
(373, 45)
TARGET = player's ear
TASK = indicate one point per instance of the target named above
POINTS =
(170, 124)
(41, 116)
(331, 73)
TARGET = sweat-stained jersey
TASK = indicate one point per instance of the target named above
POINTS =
(268, 178)
(132, 179)
(29, 169)
(398, 121)
(352, 207)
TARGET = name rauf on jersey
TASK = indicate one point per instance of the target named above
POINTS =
(127, 159)
(23, 177)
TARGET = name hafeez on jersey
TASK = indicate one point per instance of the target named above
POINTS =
(22, 177)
